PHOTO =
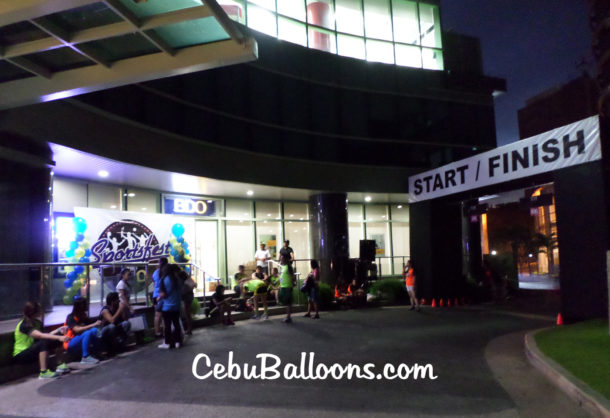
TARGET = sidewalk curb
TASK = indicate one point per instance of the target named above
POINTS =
(591, 401)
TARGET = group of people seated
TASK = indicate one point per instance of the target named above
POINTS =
(350, 294)
(81, 337)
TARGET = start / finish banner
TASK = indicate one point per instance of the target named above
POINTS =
(569, 145)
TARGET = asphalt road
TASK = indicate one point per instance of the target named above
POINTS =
(477, 357)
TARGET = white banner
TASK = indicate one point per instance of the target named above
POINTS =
(569, 145)
(117, 236)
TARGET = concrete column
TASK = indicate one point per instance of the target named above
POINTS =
(329, 234)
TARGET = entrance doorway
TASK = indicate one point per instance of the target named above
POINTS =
(206, 242)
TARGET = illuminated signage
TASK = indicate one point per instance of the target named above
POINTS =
(182, 205)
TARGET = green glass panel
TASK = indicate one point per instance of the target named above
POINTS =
(193, 32)
(154, 7)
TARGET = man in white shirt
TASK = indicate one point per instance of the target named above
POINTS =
(262, 256)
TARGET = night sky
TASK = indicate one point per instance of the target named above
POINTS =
(533, 44)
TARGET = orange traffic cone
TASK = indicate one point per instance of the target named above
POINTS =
(433, 303)
(441, 304)
(559, 319)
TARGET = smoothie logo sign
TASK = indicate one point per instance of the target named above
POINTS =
(128, 241)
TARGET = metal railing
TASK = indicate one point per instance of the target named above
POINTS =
(48, 273)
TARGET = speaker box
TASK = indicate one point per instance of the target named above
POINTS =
(367, 249)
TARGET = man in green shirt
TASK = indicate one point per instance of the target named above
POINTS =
(259, 284)
(286, 285)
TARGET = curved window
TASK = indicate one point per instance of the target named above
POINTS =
(402, 32)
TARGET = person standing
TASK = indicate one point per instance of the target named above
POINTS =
(262, 256)
(409, 275)
(314, 289)
(287, 252)
(286, 285)
(158, 303)
(171, 293)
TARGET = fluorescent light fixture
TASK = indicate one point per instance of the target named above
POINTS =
(103, 173)
(368, 198)
(249, 192)
(131, 195)
(399, 206)
(491, 196)
(210, 201)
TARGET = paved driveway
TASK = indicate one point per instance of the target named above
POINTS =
(477, 357)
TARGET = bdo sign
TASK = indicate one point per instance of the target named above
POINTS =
(182, 205)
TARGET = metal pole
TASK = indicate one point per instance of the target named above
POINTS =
(41, 298)
(146, 284)
(88, 290)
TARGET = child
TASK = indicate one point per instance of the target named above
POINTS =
(32, 343)
(222, 304)
(286, 285)
(274, 286)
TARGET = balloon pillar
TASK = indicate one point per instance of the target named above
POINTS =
(79, 252)
(179, 252)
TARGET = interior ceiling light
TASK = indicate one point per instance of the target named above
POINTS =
(399, 206)
(249, 192)
(103, 173)
(368, 198)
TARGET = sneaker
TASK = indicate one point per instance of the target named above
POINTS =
(178, 345)
(62, 369)
(307, 315)
(255, 317)
(89, 360)
(288, 320)
(316, 317)
(163, 346)
(265, 316)
(47, 374)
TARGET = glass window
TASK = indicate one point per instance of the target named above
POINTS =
(356, 233)
(406, 23)
(239, 209)
(267, 210)
(142, 201)
(351, 46)
(267, 4)
(68, 194)
(261, 20)
(298, 235)
(104, 197)
(321, 13)
(234, 9)
(240, 245)
(269, 233)
(378, 231)
(206, 251)
(292, 31)
(400, 212)
(349, 17)
(376, 213)
(400, 244)
(432, 59)
(377, 19)
(429, 21)
(379, 51)
(321, 39)
(296, 211)
(292, 8)
(408, 56)
(354, 212)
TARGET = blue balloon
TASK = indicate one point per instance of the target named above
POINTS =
(185, 245)
(180, 240)
(69, 253)
(80, 225)
(84, 260)
(79, 269)
(73, 245)
(67, 283)
(178, 230)
(187, 251)
(76, 297)
(87, 253)
(79, 237)
(174, 253)
(71, 276)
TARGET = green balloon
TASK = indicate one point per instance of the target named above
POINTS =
(77, 285)
(195, 307)
(67, 300)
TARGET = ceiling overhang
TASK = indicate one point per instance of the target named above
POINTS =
(58, 49)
